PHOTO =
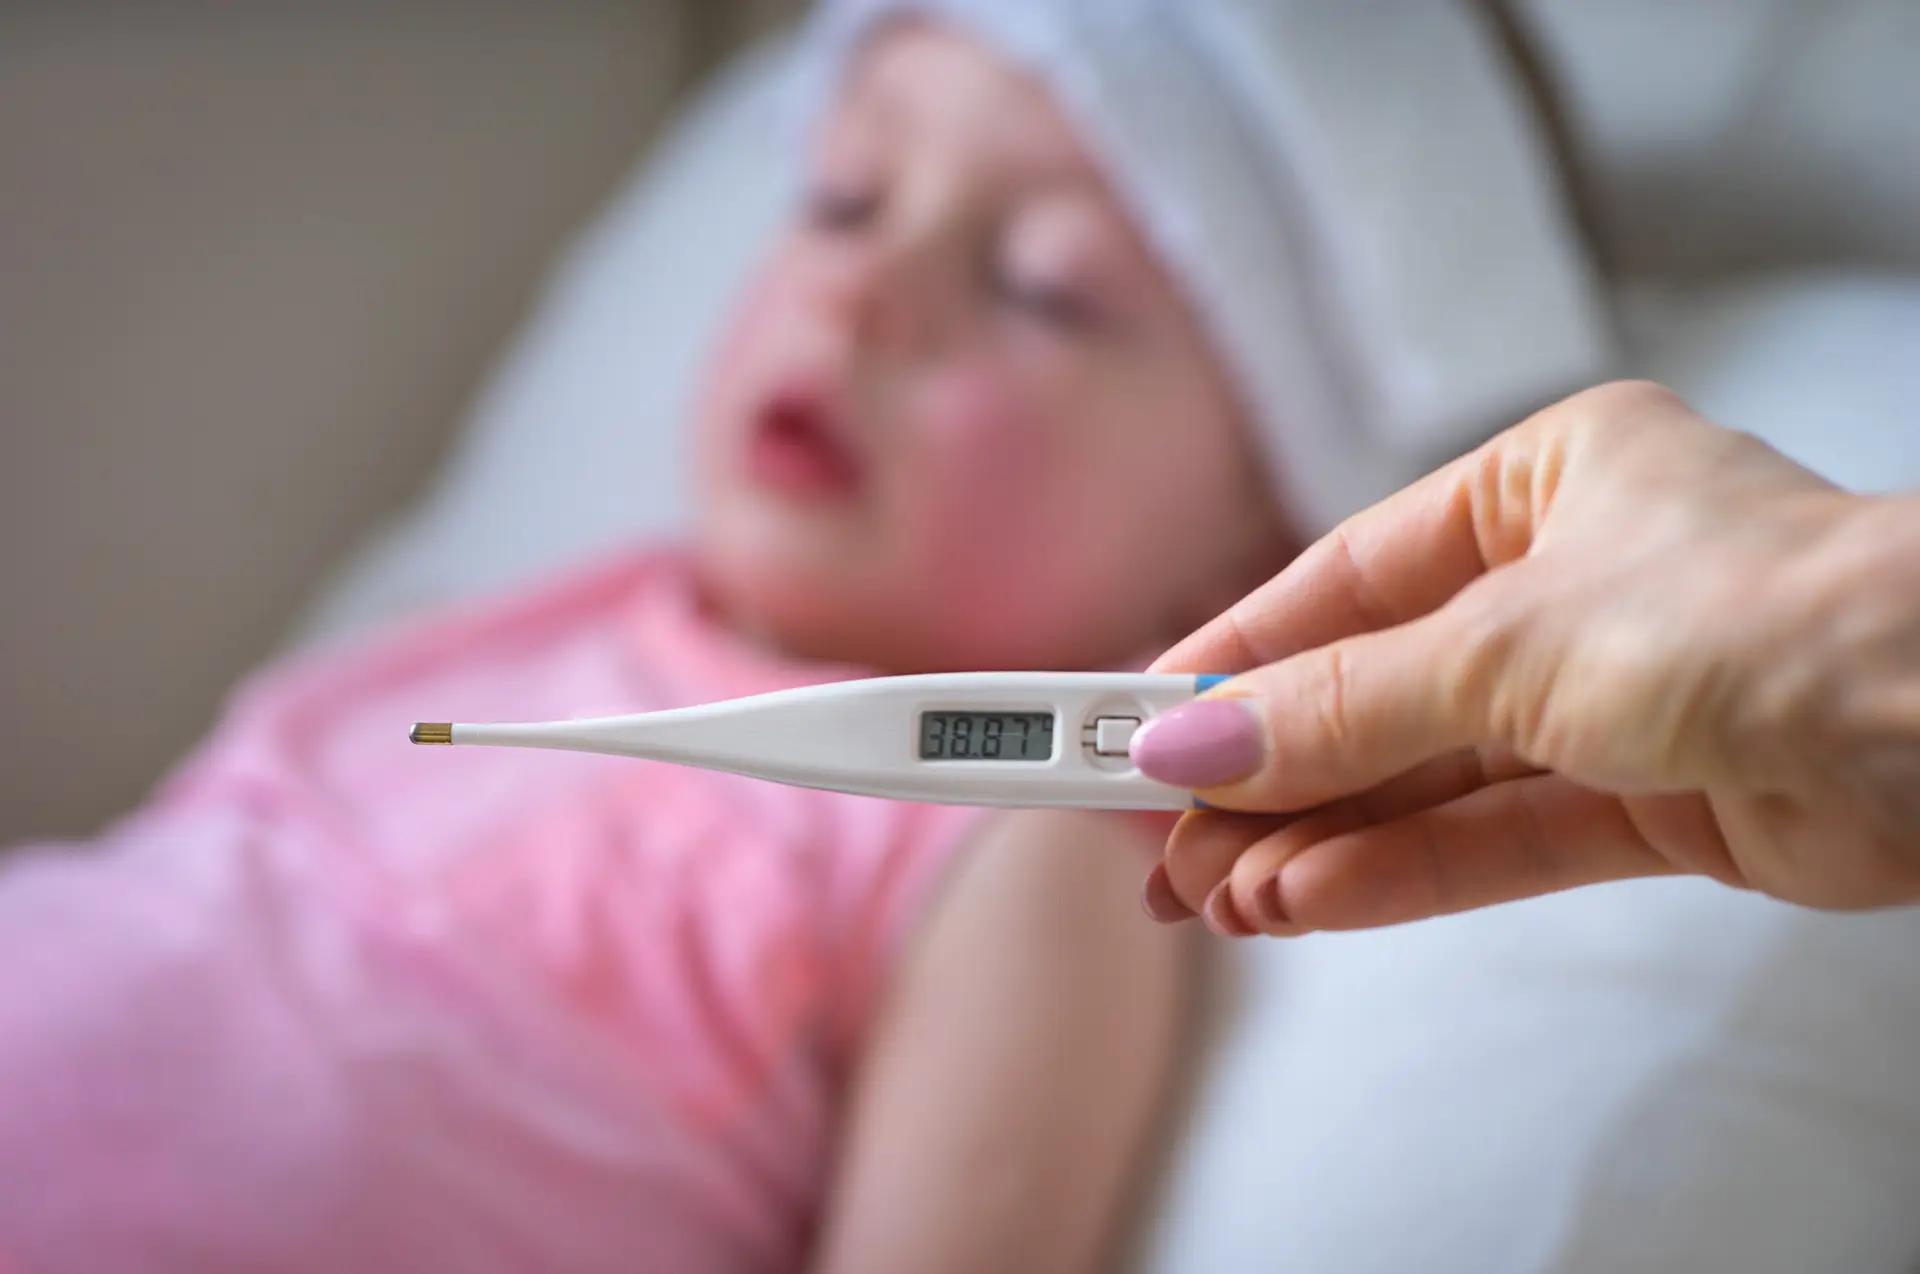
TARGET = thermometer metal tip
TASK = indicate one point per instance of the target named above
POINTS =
(439, 732)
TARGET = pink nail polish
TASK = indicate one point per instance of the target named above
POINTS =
(1222, 916)
(1159, 901)
(1200, 744)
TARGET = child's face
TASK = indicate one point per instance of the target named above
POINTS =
(962, 420)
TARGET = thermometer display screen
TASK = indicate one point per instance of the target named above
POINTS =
(986, 736)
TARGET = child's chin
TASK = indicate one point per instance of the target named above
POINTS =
(783, 599)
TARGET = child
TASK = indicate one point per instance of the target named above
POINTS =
(329, 1003)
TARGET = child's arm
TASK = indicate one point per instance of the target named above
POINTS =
(1007, 1091)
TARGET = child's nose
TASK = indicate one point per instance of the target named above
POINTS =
(896, 294)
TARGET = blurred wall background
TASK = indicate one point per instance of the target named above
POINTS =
(254, 257)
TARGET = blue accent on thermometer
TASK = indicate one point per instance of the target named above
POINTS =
(1043, 739)
(1201, 684)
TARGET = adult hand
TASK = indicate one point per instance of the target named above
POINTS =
(1615, 641)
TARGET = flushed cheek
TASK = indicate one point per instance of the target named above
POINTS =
(990, 494)
(983, 456)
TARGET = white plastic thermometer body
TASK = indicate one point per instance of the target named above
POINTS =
(1055, 739)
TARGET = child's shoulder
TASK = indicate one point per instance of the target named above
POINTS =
(600, 608)
(597, 640)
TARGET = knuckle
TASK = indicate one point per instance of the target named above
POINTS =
(1479, 677)
(1330, 698)
(1623, 400)
(1596, 419)
(1504, 504)
(1202, 850)
(1369, 606)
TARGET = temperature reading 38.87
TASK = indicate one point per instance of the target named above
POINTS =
(986, 736)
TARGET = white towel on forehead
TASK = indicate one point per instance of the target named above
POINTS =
(1353, 194)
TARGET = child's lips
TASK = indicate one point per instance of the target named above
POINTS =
(799, 446)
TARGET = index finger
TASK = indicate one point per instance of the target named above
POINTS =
(1396, 562)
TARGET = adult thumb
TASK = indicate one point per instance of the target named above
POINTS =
(1336, 720)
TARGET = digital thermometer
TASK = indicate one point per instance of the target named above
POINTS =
(1056, 739)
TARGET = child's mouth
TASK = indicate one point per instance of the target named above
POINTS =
(800, 447)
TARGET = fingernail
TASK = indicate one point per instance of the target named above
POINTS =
(1222, 916)
(1200, 744)
(1272, 913)
(1159, 901)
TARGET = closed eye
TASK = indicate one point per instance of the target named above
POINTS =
(840, 209)
(1055, 304)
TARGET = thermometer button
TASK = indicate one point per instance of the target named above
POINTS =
(1111, 735)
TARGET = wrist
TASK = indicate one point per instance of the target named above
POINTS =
(1850, 668)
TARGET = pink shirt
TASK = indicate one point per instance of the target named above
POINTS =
(333, 1002)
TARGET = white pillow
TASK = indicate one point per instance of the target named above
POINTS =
(1721, 134)
(1824, 365)
(1662, 1076)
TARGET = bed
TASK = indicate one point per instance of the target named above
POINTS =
(1657, 1075)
